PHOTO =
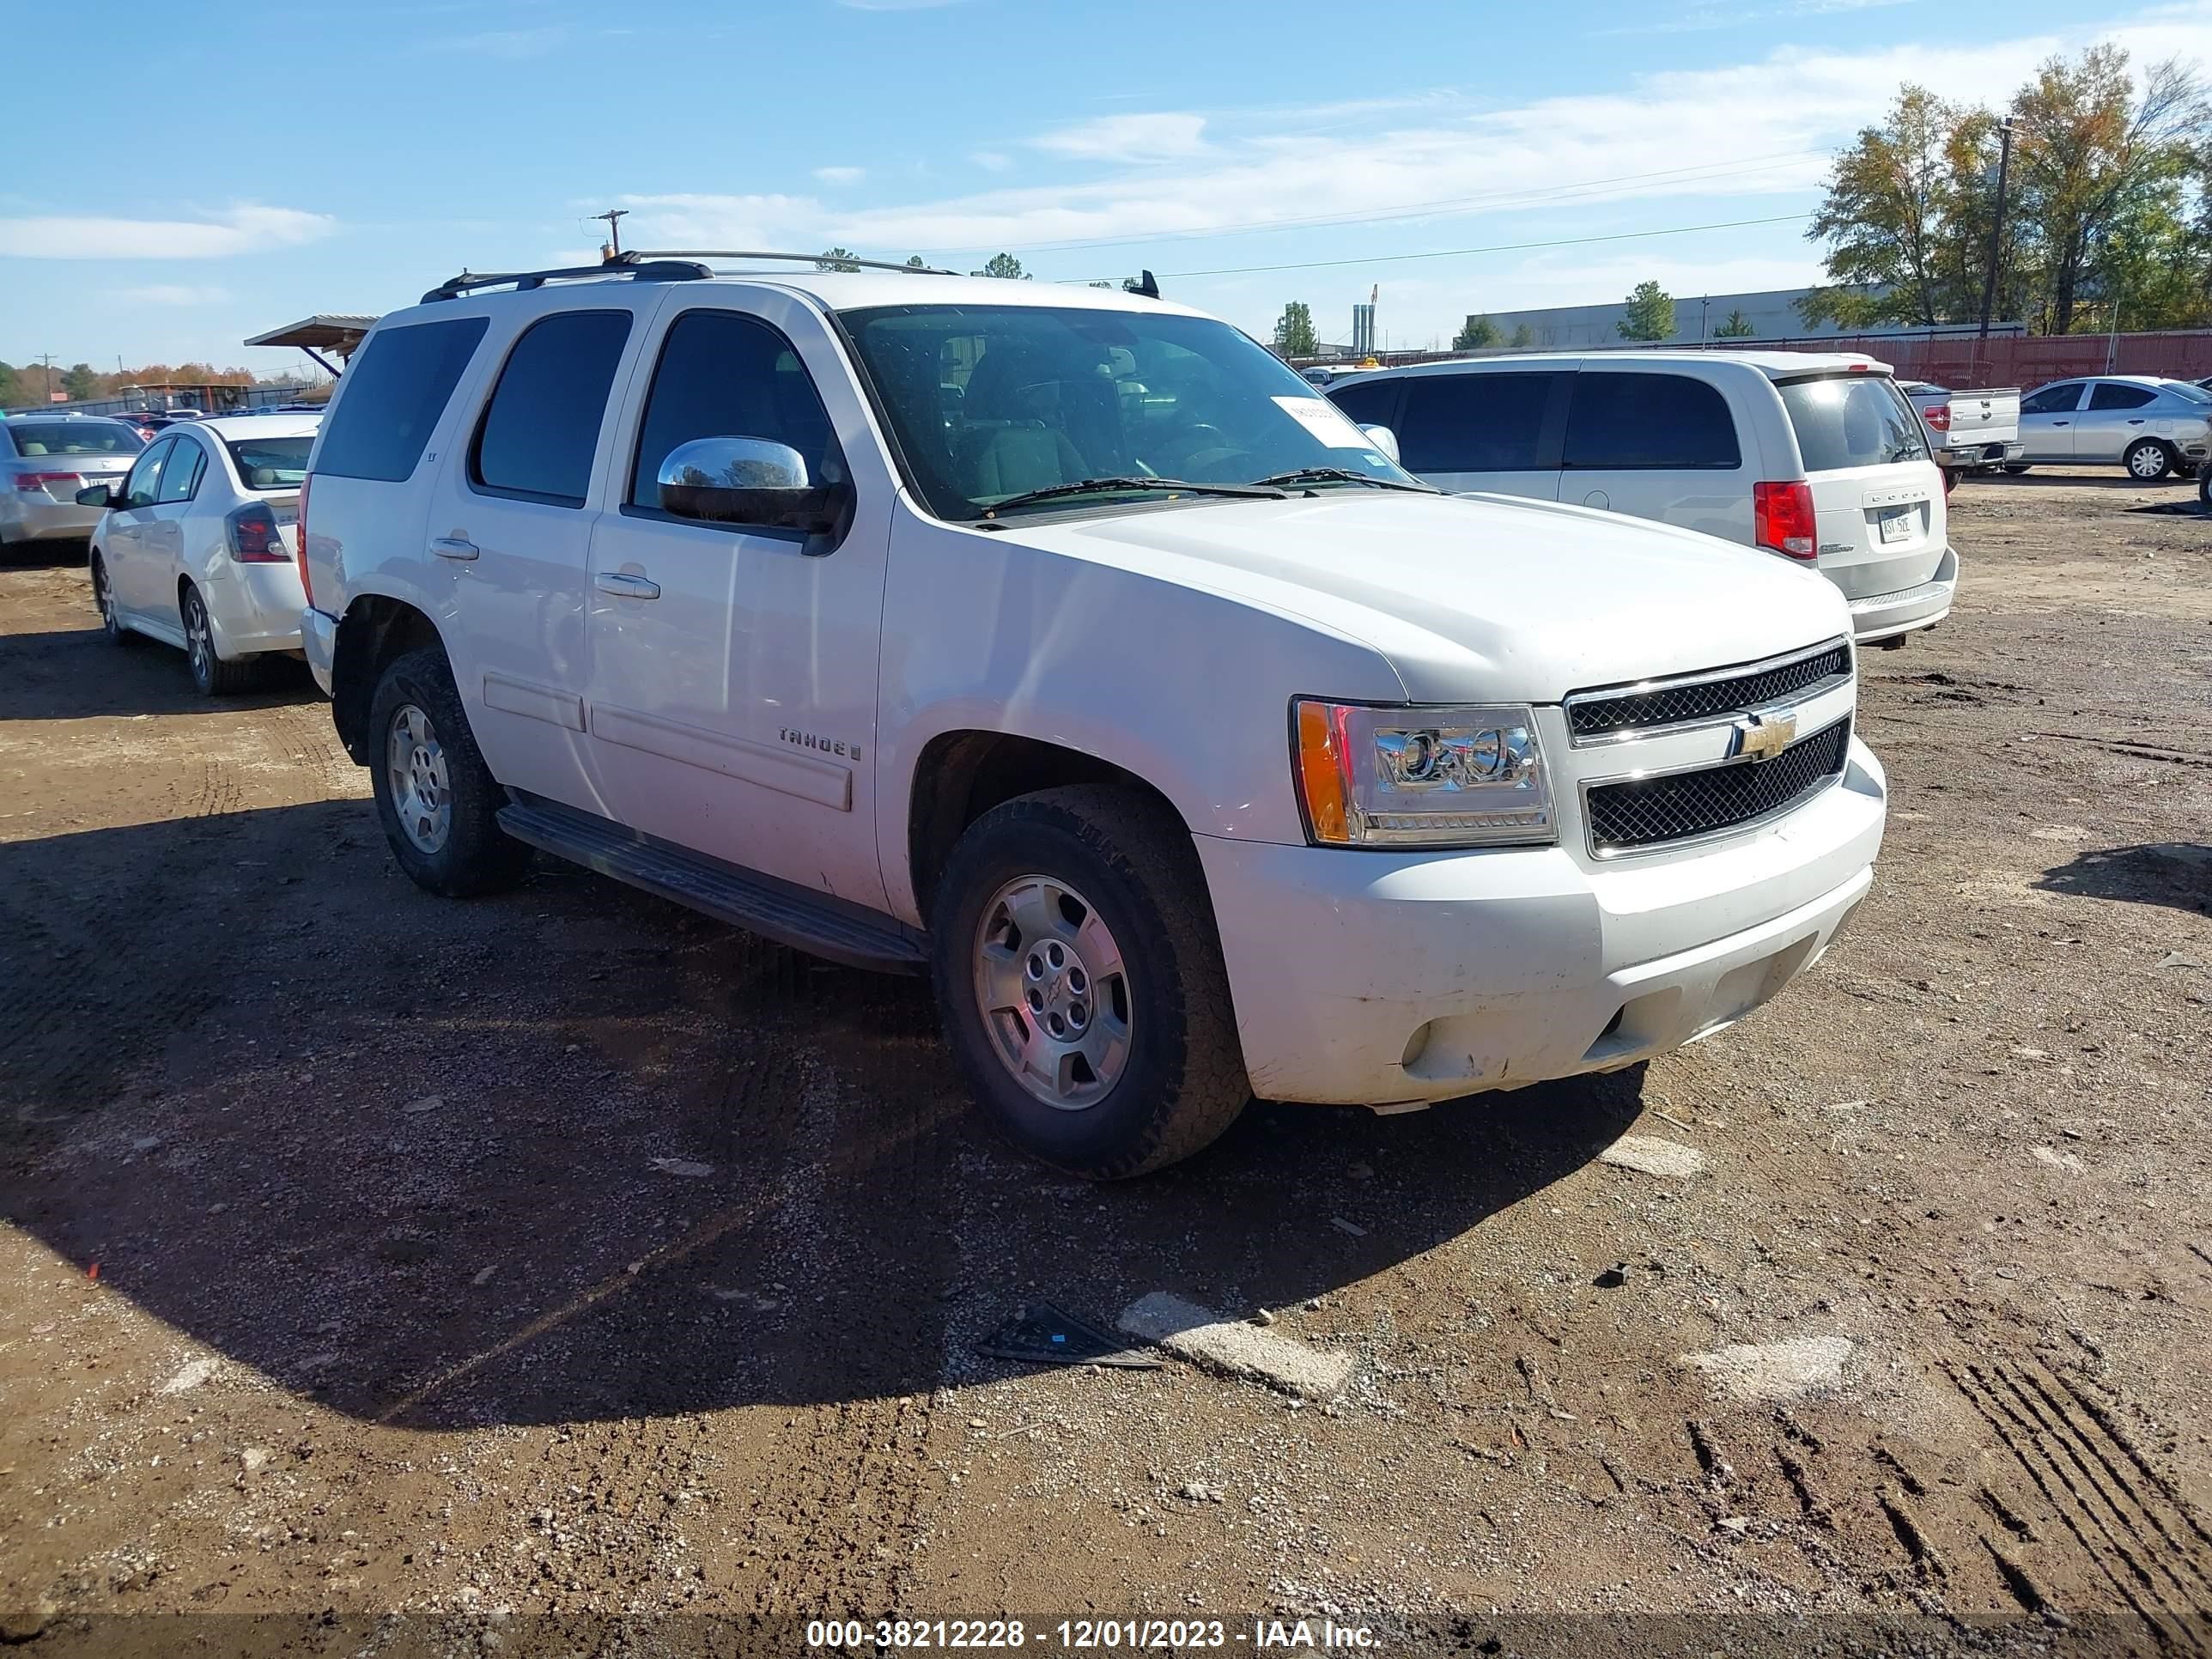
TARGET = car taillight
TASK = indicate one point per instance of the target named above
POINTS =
(33, 482)
(254, 537)
(1938, 417)
(1782, 519)
(300, 538)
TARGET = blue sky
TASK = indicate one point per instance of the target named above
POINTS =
(344, 159)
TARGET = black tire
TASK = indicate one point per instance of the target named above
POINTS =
(2138, 456)
(214, 677)
(2204, 486)
(472, 855)
(2013, 469)
(1183, 1080)
(103, 600)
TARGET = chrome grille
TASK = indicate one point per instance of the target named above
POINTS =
(1675, 806)
(1594, 714)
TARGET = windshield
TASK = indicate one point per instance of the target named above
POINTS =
(2189, 393)
(987, 403)
(1852, 420)
(271, 463)
(74, 438)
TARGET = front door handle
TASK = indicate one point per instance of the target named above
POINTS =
(454, 547)
(623, 586)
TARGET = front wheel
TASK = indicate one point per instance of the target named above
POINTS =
(2146, 460)
(2204, 486)
(1081, 984)
(437, 799)
(2013, 469)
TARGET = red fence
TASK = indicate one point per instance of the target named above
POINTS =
(2028, 360)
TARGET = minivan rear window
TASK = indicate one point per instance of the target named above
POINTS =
(391, 397)
(1852, 420)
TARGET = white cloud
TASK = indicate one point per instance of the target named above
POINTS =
(992, 160)
(841, 175)
(172, 294)
(246, 228)
(1149, 138)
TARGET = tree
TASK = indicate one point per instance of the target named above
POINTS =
(837, 259)
(1003, 264)
(1522, 338)
(914, 262)
(1480, 331)
(1888, 213)
(1651, 314)
(1738, 327)
(12, 388)
(82, 382)
(1294, 330)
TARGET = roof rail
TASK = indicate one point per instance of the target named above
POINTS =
(839, 263)
(655, 270)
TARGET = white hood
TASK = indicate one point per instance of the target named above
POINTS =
(1483, 598)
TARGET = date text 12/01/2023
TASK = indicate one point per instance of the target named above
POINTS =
(1088, 1635)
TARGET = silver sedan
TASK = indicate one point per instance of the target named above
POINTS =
(45, 459)
(2149, 425)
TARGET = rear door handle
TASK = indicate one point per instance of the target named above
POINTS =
(623, 586)
(454, 547)
(2137, 420)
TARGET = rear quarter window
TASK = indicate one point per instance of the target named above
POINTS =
(393, 395)
(1629, 422)
(1852, 420)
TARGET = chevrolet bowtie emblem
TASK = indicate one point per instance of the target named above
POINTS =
(1761, 737)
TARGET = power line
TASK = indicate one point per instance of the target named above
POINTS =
(1705, 173)
(1499, 247)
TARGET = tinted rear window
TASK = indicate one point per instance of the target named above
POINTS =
(391, 397)
(541, 426)
(1370, 402)
(1626, 421)
(74, 437)
(272, 463)
(1852, 420)
(1473, 422)
(2110, 396)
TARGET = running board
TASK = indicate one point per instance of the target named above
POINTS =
(820, 925)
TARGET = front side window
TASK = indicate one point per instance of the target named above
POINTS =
(723, 375)
(2053, 399)
(1624, 422)
(988, 403)
(541, 429)
(1478, 422)
(74, 437)
(1368, 403)
(181, 477)
(146, 474)
(391, 396)
(2111, 394)
(1852, 420)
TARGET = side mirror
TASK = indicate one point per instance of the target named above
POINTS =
(1384, 440)
(96, 495)
(750, 481)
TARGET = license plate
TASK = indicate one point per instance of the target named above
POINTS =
(1896, 524)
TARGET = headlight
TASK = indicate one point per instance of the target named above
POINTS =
(1420, 777)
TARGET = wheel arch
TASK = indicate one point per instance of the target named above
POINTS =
(374, 629)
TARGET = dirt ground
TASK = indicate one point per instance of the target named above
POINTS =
(545, 1272)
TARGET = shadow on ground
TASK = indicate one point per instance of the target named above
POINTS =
(399, 1153)
(2172, 873)
(81, 674)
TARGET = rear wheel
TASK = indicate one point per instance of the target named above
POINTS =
(1081, 983)
(103, 595)
(214, 677)
(2146, 460)
(435, 797)
(2204, 486)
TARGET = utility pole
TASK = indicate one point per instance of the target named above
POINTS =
(1996, 225)
(47, 358)
(614, 229)
(1704, 309)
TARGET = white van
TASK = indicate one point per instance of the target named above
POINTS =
(1063, 645)
(1820, 459)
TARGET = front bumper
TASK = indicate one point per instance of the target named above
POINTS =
(1884, 616)
(1384, 979)
(319, 643)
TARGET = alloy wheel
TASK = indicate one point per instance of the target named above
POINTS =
(422, 791)
(1053, 990)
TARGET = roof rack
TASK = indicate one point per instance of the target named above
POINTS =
(840, 263)
(651, 270)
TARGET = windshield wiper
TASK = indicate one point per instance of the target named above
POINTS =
(1105, 486)
(1340, 474)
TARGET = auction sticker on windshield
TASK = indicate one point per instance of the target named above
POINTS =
(1325, 422)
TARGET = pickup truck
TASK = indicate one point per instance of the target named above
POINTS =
(1969, 430)
(1064, 647)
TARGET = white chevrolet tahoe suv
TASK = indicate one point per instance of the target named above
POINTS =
(1065, 645)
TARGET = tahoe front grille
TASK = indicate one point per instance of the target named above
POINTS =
(1632, 710)
(1640, 813)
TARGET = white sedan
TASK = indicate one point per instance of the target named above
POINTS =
(198, 546)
